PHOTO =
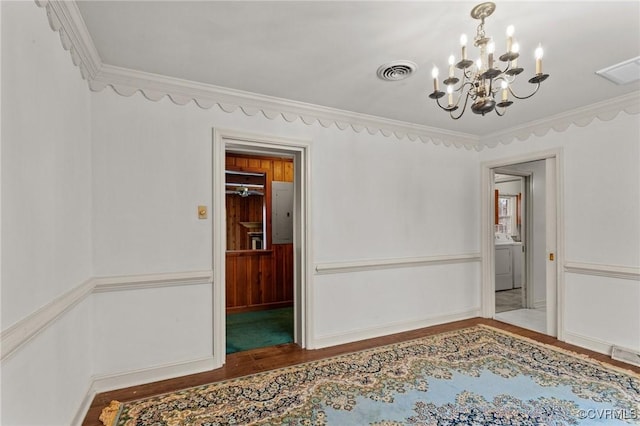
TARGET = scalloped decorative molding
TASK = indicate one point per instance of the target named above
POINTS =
(65, 18)
(581, 117)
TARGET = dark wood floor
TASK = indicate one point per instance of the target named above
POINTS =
(257, 360)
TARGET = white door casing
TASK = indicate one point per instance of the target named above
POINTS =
(237, 141)
(554, 235)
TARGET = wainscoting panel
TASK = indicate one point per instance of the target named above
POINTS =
(601, 306)
(358, 304)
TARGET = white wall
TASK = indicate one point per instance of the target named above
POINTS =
(102, 185)
(46, 215)
(373, 197)
(601, 198)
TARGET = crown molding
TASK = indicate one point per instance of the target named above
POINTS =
(127, 82)
(581, 117)
(65, 19)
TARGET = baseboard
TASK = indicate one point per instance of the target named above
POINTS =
(108, 382)
(540, 304)
(369, 333)
(590, 343)
(81, 413)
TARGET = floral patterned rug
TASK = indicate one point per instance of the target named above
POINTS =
(475, 376)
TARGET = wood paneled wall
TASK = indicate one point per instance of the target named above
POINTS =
(258, 279)
(281, 169)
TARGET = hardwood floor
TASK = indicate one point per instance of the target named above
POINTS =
(255, 361)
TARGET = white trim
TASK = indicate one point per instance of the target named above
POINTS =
(609, 271)
(24, 330)
(581, 117)
(399, 327)
(154, 87)
(487, 239)
(540, 304)
(108, 382)
(85, 404)
(301, 150)
(137, 282)
(590, 343)
(367, 265)
(66, 19)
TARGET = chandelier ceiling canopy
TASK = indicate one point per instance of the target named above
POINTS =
(481, 80)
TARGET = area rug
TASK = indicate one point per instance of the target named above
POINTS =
(474, 376)
(258, 329)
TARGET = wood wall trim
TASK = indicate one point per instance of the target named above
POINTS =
(364, 265)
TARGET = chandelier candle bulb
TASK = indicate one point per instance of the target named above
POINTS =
(539, 54)
(463, 43)
(434, 74)
(484, 84)
(491, 47)
(510, 31)
(515, 49)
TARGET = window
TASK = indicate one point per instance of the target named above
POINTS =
(507, 220)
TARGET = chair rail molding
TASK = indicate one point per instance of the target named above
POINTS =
(66, 19)
(373, 264)
(27, 328)
(24, 330)
(609, 271)
(137, 282)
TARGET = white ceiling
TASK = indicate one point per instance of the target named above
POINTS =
(327, 52)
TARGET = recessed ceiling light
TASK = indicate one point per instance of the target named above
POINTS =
(622, 73)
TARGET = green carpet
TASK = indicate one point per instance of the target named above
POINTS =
(250, 330)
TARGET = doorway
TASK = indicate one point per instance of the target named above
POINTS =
(521, 248)
(259, 258)
(255, 235)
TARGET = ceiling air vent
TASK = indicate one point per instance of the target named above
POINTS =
(622, 73)
(396, 70)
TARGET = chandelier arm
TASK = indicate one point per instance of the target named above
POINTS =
(504, 110)
(464, 108)
(524, 97)
(444, 108)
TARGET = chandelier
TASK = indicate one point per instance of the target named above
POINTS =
(481, 80)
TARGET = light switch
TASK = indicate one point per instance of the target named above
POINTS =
(202, 212)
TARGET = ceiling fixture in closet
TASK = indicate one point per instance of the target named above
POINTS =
(244, 190)
(481, 80)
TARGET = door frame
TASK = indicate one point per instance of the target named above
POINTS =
(300, 151)
(527, 184)
(556, 292)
